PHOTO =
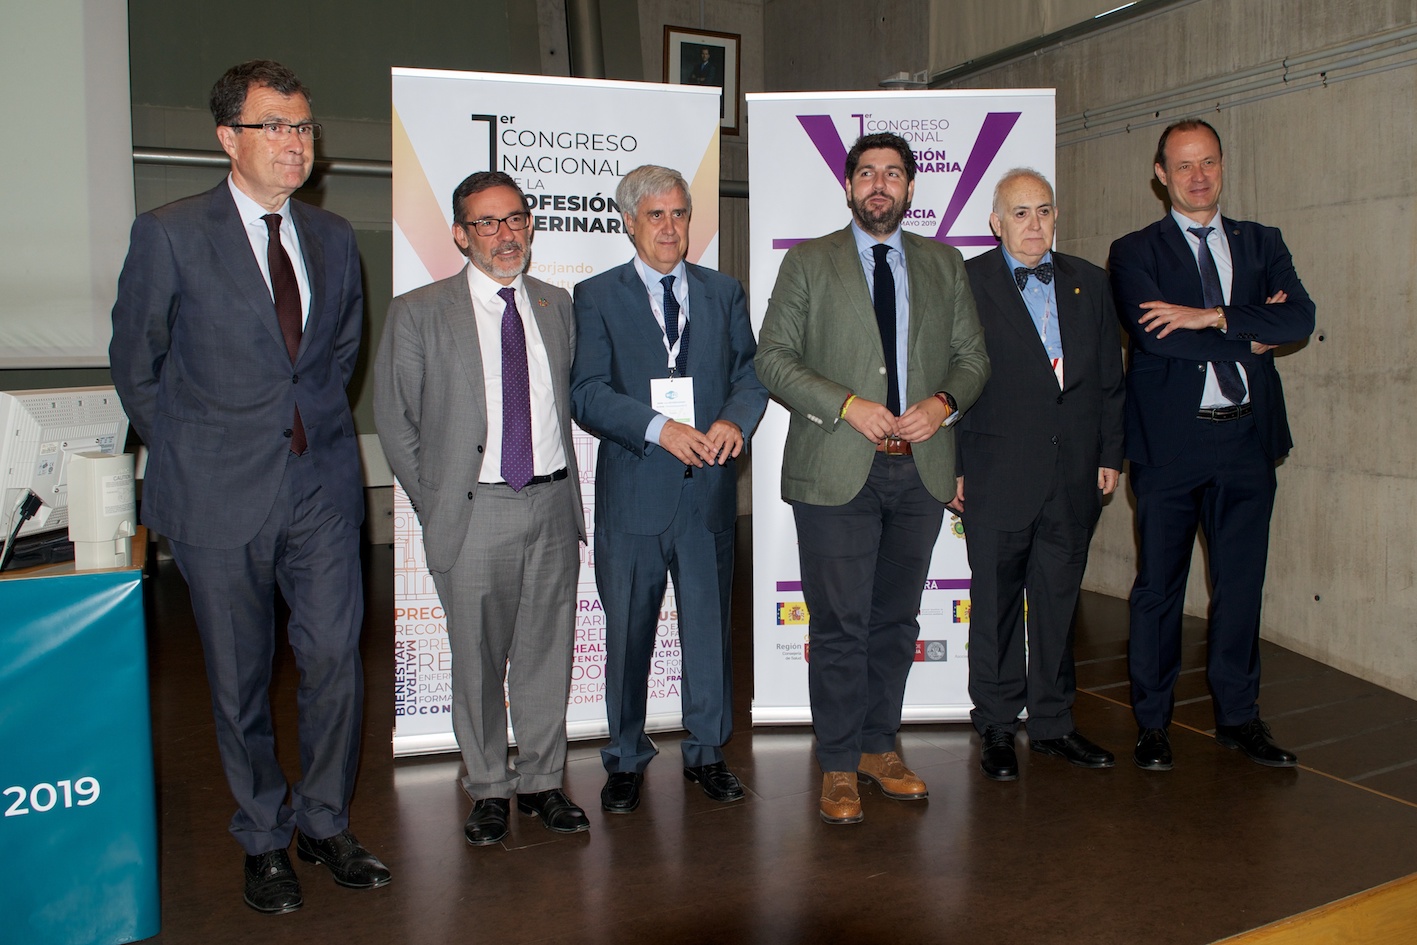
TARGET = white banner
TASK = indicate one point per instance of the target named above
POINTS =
(567, 142)
(963, 142)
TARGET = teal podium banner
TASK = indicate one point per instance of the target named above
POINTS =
(77, 807)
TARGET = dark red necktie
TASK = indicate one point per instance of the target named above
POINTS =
(287, 298)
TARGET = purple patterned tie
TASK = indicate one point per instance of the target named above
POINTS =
(517, 463)
(1227, 375)
(285, 291)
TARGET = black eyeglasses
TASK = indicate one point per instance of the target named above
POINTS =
(306, 130)
(488, 226)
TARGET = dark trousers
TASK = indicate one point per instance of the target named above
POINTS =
(311, 553)
(1224, 483)
(631, 573)
(864, 566)
(1046, 561)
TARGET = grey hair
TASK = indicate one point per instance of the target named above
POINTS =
(647, 180)
(1018, 173)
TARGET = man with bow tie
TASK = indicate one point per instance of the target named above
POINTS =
(1037, 453)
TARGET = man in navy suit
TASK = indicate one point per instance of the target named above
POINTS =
(1205, 300)
(664, 377)
(1036, 454)
(235, 334)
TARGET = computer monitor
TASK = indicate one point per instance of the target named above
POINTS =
(41, 430)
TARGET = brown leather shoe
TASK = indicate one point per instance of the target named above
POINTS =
(892, 777)
(840, 802)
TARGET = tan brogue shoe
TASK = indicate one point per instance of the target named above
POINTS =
(892, 777)
(841, 804)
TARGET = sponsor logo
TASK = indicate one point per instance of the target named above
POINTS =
(931, 651)
(960, 611)
(792, 613)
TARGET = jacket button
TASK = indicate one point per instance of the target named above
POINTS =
(882, 369)
(1060, 398)
(1054, 441)
(469, 496)
(288, 434)
(1201, 368)
(479, 447)
(295, 378)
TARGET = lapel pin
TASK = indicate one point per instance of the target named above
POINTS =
(542, 302)
(1077, 291)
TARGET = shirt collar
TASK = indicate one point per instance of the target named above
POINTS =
(1015, 264)
(650, 277)
(864, 240)
(484, 286)
(1185, 222)
(249, 210)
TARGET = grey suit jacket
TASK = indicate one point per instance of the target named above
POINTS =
(1024, 435)
(202, 368)
(819, 344)
(620, 348)
(430, 403)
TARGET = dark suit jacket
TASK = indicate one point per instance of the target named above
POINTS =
(1167, 375)
(1023, 433)
(202, 369)
(430, 403)
(620, 347)
(820, 343)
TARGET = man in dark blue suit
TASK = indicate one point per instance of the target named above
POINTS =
(235, 333)
(664, 377)
(1205, 300)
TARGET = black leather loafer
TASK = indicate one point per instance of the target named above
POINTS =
(1253, 739)
(718, 782)
(487, 823)
(1153, 751)
(271, 885)
(621, 793)
(555, 809)
(1076, 749)
(349, 863)
(997, 758)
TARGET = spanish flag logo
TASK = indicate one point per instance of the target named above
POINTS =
(792, 613)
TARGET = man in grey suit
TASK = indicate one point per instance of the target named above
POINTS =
(1037, 453)
(472, 402)
(871, 340)
(235, 333)
(655, 333)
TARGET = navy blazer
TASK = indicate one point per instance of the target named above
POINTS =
(1166, 376)
(1024, 433)
(619, 348)
(203, 372)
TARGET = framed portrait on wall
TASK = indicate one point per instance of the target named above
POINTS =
(703, 57)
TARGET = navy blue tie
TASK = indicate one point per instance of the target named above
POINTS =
(883, 296)
(1227, 375)
(671, 327)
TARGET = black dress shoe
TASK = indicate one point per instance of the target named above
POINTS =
(488, 821)
(1078, 750)
(1153, 751)
(555, 809)
(718, 782)
(271, 885)
(1253, 739)
(621, 793)
(996, 756)
(349, 863)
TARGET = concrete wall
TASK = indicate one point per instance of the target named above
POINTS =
(1329, 158)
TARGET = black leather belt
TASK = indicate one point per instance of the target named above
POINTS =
(1222, 414)
(557, 476)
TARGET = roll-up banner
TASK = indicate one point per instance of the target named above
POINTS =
(963, 143)
(567, 143)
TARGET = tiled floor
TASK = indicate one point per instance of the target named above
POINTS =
(1063, 855)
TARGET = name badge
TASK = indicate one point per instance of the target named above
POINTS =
(673, 397)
